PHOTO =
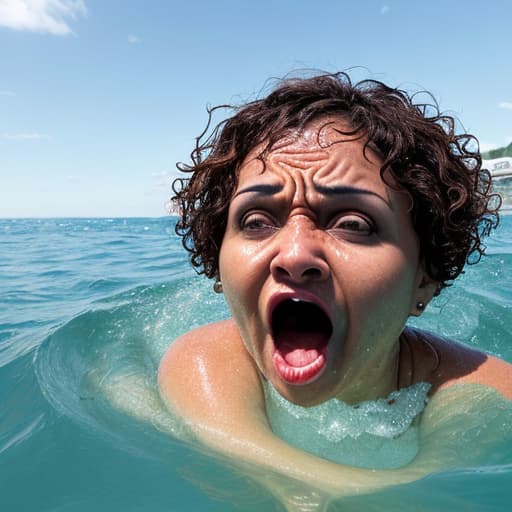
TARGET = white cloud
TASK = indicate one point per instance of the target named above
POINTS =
(506, 105)
(508, 139)
(25, 136)
(5, 92)
(133, 39)
(41, 15)
(384, 9)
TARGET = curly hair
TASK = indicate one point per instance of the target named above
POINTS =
(453, 206)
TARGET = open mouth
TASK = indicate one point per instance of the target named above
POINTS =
(301, 331)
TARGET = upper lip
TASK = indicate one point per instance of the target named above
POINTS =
(303, 295)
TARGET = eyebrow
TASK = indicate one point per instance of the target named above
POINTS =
(343, 190)
(270, 189)
(266, 189)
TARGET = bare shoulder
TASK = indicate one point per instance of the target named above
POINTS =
(458, 363)
(207, 375)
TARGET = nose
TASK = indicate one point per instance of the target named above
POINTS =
(299, 255)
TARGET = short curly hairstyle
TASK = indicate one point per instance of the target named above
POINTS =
(453, 206)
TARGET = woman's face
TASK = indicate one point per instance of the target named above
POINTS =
(320, 266)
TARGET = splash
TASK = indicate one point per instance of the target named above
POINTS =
(374, 434)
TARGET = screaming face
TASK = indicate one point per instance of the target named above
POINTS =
(320, 266)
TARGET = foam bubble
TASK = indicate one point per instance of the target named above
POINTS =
(373, 434)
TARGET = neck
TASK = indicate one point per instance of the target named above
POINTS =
(377, 377)
(418, 359)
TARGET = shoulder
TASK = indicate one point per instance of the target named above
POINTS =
(205, 351)
(210, 339)
(457, 363)
(207, 374)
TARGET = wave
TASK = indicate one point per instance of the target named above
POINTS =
(105, 359)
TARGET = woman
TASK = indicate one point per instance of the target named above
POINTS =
(328, 213)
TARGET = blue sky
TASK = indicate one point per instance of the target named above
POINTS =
(100, 98)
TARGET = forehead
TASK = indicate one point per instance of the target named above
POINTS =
(324, 150)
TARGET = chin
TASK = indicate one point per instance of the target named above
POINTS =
(305, 395)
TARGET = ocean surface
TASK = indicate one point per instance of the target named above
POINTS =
(88, 307)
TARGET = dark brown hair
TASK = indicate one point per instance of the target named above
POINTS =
(452, 203)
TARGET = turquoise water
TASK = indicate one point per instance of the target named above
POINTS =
(88, 306)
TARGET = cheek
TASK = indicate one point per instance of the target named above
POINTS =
(379, 308)
(241, 263)
(238, 272)
(384, 284)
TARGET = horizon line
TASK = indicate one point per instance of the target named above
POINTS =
(50, 217)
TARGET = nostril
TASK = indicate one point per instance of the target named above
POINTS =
(312, 272)
(308, 273)
(282, 271)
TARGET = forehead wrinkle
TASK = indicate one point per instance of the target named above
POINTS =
(299, 196)
(297, 164)
(311, 169)
(333, 164)
(300, 160)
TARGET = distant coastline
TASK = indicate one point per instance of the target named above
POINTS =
(498, 153)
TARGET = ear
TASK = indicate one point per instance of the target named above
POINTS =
(426, 290)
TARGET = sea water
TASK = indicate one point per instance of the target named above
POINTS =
(376, 434)
(87, 308)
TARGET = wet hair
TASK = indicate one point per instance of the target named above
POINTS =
(453, 206)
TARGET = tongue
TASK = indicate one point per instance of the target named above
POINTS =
(300, 357)
(299, 348)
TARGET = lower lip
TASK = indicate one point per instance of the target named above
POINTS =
(299, 375)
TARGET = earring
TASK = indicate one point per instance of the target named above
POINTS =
(420, 306)
(217, 286)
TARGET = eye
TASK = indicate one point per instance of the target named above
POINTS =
(353, 224)
(257, 222)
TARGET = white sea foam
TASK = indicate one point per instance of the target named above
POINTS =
(374, 434)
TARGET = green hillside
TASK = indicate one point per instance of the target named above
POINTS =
(498, 153)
